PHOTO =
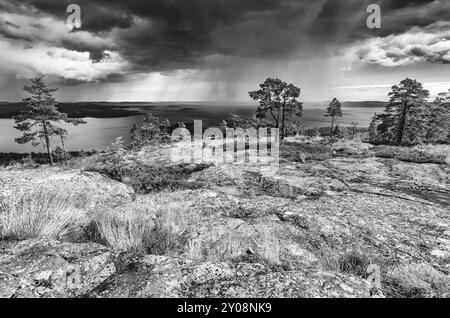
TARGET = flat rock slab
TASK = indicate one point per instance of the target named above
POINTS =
(89, 190)
(159, 276)
(48, 268)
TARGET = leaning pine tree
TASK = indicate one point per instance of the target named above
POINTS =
(403, 120)
(37, 120)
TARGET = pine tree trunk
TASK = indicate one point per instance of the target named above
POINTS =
(64, 151)
(282, 122)
(332, 124)
(47, 143)
(401, 126)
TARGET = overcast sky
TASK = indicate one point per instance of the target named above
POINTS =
(218, 50)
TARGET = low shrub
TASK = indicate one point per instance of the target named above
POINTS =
(41, 158)
(300, 152)
(151, 178)
(409, 155)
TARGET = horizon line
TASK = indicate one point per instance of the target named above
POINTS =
(181, 101)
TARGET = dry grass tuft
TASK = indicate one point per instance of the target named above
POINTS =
(123, 232)
(351, 262)
(36, 214)
(169, 234)
(354, 262)
(151, 224)
(416, 281)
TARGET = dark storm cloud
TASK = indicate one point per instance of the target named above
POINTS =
(171, 34)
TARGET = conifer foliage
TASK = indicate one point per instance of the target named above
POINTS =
(410, 119)
(334, 110)
(37, 120)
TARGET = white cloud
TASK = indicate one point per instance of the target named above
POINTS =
(419, 45)
(58, 63)
(33, 44)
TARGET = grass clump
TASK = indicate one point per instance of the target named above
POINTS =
(354, 263)
(123, 232)
(169, 233)
(150, 225)
(416, 281)
(35, 214)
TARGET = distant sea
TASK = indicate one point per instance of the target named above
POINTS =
(107, 121)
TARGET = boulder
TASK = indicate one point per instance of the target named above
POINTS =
(49, 268)
(88, 190)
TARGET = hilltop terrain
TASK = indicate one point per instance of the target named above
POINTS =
(142, 226)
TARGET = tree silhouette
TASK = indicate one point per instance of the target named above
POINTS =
(334, 110)
(403, 119)
(438, 119)
(152, 130)
(37, 120)
(279, 99)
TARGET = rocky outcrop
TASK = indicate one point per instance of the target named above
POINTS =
(89, 190)
(48, 268)
(159, 276)
(311, 230)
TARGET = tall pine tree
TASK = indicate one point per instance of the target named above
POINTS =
(280, 100)
(403, 119)
(37, 120)
(334, 110)
(438, 119)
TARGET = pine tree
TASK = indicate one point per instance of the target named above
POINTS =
(438, 120)
(37, 120)
(62, 133)
(373, 129)
(135, 137)
(150, 129)
(279, 99)
(334, 110)
(338, 133)
(153, 130)
(317, 133)
(403, 119)
(353, 129)
(164, 133)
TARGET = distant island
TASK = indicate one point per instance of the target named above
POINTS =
(78, 110)
(127, 109)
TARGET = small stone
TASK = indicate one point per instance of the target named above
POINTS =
(440, 254)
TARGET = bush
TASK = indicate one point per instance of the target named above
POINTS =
(150, 178)
(38, 214)
(408, 155)
(31, 159)
(296, 152)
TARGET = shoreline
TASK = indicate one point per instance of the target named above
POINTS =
(105, 110)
